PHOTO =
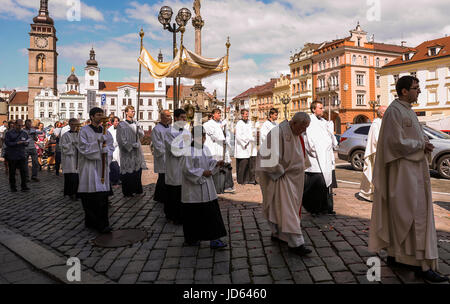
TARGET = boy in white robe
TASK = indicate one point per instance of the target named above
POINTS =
(132, 161)
(114, 167)
(244, 149)
(280, 171)
(159, 155)
(93, 191)
(69, 150)
(202, 219)
(173, 177)
(268, 125)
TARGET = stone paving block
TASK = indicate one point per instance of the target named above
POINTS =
(275, 261)
(222, 279)
(342, 246)
(281, 274)
(254, 244)
(103, 265)
(173, 252)
(325, 252)
(17, 265)
(363, 252)
(259, 270)
(240, 276)
(221, 268)
(363, 280)
(167, 274)
(334, 264)
(205, 253)
(312, 262)
(265, 280)
(239, 263)
(359, 269)
(238, 252)
(343, 277)
(153, 265)
(295, 262)
(189, 251)
(141, 255)
(115, 271)
(171, 263)
(188, 262)
(185, 274)
(134, 267)
(129, 279)
(258, 252)
(319, 241)
(350, 257)
(204, 263)
(258, 261)
(320, 274)
(333, 236)
(302, 277)
(148, 277)
(355, 241)
(203, 275)
(157, 254)
(128, 253)
(222, 256)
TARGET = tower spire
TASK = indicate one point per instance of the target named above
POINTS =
(43, 16)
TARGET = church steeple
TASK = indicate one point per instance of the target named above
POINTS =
(92, 61)
(43, 16)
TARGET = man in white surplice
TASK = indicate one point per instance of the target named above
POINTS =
(280, 172)
(172, 206)
(114, 173)
(69, 159)
(132, 162)
(366, 190)
(268, 125)
(244, 148)
(159, 155)
(215, 141)
(402, 220)
(93, 191)
(319, 143)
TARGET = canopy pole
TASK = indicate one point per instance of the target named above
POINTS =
(228, 45)
(141, 34)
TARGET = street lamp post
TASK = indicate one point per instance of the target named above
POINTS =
(165, 17)
(329, 98)
(285, 100)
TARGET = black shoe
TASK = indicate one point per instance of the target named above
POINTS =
(431, 276)
(25, 189)
(391, 261)
(14, 190)
(301, 250)
(106, 230)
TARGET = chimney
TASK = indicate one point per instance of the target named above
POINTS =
(403, 43)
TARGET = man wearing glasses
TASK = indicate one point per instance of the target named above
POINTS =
(16, 140)
(402, 216)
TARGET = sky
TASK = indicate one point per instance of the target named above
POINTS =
(263, 34)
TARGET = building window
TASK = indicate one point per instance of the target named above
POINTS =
(431, 96)
(91, 83)
(386, 61)
(365, 60)
(63, 116)
(150, 102)
(160, 84)
(141, 115)
(72, 115)
(360, 100)
(63, 105)
(379, 99)
(50, 104)
(42, 104)
(72, 107)
(124, 103)
(129, 101)
(396, 77)
(41, 115)
(360, 79)
(378, 62)
(354, 59)
(414, 74)
(113, 101)
(432, 74)
(50, 114)
(113, 113)
(23, 109)
(46, 94)
(170, 107)
(378, 81)
(141, 102)
(80, 105)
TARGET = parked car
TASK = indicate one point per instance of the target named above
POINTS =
(353, 143)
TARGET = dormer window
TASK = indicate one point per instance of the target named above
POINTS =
(408, 56)
(433, 51)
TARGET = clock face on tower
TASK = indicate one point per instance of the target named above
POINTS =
(41, 42)
(92, 73)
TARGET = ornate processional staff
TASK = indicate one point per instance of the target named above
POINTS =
(228, 45)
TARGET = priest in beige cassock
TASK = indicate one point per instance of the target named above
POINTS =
(366, 191)
(402, 216)
(280, 168)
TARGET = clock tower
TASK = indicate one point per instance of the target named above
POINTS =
(42, 56)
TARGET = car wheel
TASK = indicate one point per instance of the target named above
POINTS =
(443, 166)
(357, 160)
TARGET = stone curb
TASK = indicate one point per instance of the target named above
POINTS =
(44, 260)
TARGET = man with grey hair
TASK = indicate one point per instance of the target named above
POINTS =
(280, 169)
(366, 191)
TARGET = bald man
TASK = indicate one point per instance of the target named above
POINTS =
(366, 191)
(159, 152)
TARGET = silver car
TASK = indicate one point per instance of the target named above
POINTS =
(353, 146)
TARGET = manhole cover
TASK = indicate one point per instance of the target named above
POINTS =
(120, 238)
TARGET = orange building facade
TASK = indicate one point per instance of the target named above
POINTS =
(346, 77)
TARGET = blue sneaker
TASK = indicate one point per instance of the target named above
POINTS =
(217, 244)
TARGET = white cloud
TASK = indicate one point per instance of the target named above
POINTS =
(25, 9)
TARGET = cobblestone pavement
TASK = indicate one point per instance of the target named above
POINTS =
(13, 270)
(339, 242)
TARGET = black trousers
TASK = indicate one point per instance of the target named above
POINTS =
(114, 173)
(173, 205)
(95, 207)
(71, 182)
(160, 190)
(57, 162)
(22, 166)
(132, 183)
(246, 170)
(317, 197)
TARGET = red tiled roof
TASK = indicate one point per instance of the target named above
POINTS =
(389, 47)
(266, 88)
(244, 94)
(20, 98)
(422, 52)
(72, 93)
(113, 86)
